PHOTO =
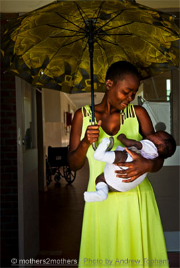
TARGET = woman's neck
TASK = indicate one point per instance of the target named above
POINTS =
(105, 107)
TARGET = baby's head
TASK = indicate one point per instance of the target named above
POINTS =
(165, 143)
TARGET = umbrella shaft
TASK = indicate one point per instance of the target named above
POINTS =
(91, 49)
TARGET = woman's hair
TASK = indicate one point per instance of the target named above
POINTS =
(118, 70)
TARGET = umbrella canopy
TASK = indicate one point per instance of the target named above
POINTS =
(68, 46)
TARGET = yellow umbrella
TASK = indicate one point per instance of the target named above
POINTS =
(68, 46)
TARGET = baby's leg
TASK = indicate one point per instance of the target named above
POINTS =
(101, 154)
(120, 156)
(100, 178)
(101, 191)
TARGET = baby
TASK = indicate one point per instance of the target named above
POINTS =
(158, 144)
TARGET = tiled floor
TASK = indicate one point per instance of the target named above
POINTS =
(61, 212)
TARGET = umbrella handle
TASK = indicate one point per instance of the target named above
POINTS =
(111, 144)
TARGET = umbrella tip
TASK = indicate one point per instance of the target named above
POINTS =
(41, 72)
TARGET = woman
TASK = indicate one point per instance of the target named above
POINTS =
(124, 230)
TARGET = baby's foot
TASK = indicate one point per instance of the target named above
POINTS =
(100, 195)
(94, 196)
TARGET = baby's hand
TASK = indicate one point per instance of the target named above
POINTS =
(121, 137)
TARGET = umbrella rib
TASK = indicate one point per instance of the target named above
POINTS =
(110, 20)
(53, 36)
(50, 26)
(58, 51)
(80, 12)
(101, 47)
(119, 26)
(70, 30)
(78, 65)
(73, 42)
(102, 53)
(70, 21)
(99, 44)
(138, 22)
(59, 48)
(135, 35)
(115, 45)
(99, 10)
(112, 28)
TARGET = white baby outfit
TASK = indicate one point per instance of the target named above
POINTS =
(148, 151)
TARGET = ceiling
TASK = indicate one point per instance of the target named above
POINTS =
(14, 6)
(82, 99)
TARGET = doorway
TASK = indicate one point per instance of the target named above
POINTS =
(27, 154)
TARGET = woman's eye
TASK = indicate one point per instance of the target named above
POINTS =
(125, 93)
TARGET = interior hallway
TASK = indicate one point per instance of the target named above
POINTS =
(61, 212)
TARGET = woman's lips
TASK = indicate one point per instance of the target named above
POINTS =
(124, 104)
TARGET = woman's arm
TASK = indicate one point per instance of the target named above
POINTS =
(78, 148)
(140, 165)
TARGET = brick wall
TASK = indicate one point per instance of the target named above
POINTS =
(9, 183)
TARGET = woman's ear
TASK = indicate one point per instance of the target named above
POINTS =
(109, 84)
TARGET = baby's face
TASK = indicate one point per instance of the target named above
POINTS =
(158, 139)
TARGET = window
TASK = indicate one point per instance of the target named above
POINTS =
(168, 89)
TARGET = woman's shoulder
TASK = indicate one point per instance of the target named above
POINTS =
(83, 110)
(144, 119)
(83, 113)
(140, 110)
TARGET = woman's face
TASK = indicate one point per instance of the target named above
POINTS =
(123, 92)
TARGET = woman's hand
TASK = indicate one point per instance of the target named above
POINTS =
(77, 147)
(136, 168)
(92, 133)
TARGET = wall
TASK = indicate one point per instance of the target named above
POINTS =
(166, 182)
(66, 106)
(155, 88)
(56, 104)
(9, 191)
(27, 5)
(9, 188)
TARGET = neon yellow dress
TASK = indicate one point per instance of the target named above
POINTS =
(124, 230)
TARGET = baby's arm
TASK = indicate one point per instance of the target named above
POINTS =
(109, 157)
(129, 142)
(101, 155)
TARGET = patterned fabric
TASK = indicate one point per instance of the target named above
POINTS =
(124, 230)
(48, 47)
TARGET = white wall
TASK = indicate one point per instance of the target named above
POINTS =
(56, 104)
